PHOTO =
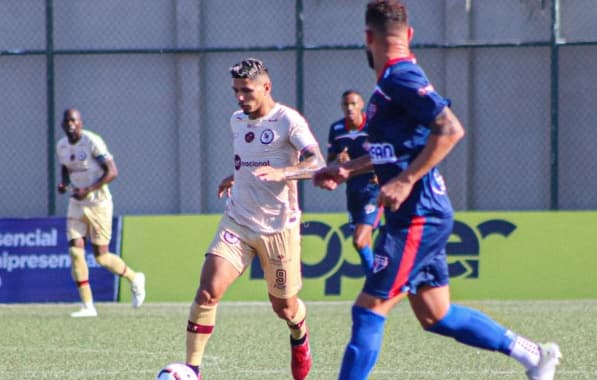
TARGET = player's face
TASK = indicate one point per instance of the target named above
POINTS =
(250, 94)
(352, 106)
(72, 125)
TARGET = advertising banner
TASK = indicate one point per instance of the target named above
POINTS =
(35, 263)
(491, 255)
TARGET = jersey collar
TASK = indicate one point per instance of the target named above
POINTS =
(409, 58)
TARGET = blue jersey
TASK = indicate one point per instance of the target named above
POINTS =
(340, 137)
(400, 109)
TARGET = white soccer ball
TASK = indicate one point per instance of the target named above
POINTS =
(176, 371)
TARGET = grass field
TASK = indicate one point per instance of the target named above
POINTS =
(40, 341)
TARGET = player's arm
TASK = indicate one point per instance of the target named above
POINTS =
(64, 179)
(446, 131)
(310, 161)
(333, 175)
(110, 173)
(225, 186)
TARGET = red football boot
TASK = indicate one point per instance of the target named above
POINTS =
(301, 359)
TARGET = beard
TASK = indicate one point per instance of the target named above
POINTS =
(370, 58)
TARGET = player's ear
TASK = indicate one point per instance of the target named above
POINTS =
(368, 36)
(410, 33)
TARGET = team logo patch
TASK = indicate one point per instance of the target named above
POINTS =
(250, 136)
(380, 263)
(230, 237)
(425, 90)
(81, 156)
(370, 208)
(267, 136)
(439, 185)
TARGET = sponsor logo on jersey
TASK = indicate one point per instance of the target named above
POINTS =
(250, 136)
(238, 163)
(370, 208)
(267, 136)
(382, 153)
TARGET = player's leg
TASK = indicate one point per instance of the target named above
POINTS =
(76, 230)
(228, 256)
(280, 258)
(469, 326)
(362, 242)
(365, 215)
(380, 294)
(369, 314)
(100, 230)
(217, 275)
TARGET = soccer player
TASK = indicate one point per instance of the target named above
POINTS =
(411, 130)
(348, 139)
(273, 147)
(87, 167)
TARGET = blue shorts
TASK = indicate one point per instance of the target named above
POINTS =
(362, 206)
(406, 258)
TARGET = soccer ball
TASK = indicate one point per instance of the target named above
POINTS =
(176, 371)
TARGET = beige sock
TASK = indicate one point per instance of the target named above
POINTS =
(202, 320)
(297, 325)
(80, 274)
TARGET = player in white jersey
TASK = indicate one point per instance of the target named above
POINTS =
(86, 169)
(273, 147)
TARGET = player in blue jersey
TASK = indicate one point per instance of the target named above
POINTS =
(411, 130)
(348, 139)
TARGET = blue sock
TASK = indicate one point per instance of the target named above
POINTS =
(366, 255)
(473, 328)
(362, 350)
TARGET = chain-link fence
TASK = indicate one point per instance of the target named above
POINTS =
(152, 79)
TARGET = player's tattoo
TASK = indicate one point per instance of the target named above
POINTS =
(445, 124)
(311, 161)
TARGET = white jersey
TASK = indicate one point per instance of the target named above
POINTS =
(274, 140)
(81, 160)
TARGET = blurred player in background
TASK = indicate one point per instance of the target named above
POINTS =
(86, 169)
(273, 147)
(411, 130)
(348, 139)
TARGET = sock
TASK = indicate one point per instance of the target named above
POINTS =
(80, 274)
(525, 351)
(202, 320)
(366, 255)
(116, 265)
(297, 325)
(473, 328)
(364, 346)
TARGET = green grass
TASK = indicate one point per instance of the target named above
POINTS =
(40, 341)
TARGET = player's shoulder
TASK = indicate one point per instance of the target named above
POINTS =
(286, 112)
(91, 136)
(62, 142)
(337, 126)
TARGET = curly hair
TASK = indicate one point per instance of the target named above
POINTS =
(249, 68)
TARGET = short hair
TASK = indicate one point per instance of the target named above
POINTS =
(250, 68)
(351, 91)
(382, 14)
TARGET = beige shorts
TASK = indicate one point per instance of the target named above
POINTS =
(279, 254)
(90, 220)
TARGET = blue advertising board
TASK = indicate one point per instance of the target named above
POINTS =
(35, 264)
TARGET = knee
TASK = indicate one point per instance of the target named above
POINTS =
(206, 297)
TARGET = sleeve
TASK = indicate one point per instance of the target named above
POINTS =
(99, 149)
(300, 134)
(415, 94)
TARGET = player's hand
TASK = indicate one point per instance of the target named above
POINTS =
(343, 156)
(269, 174)
(394, 193)
(330, 177)
(80, 193)
(225, 187)
(62, 188)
